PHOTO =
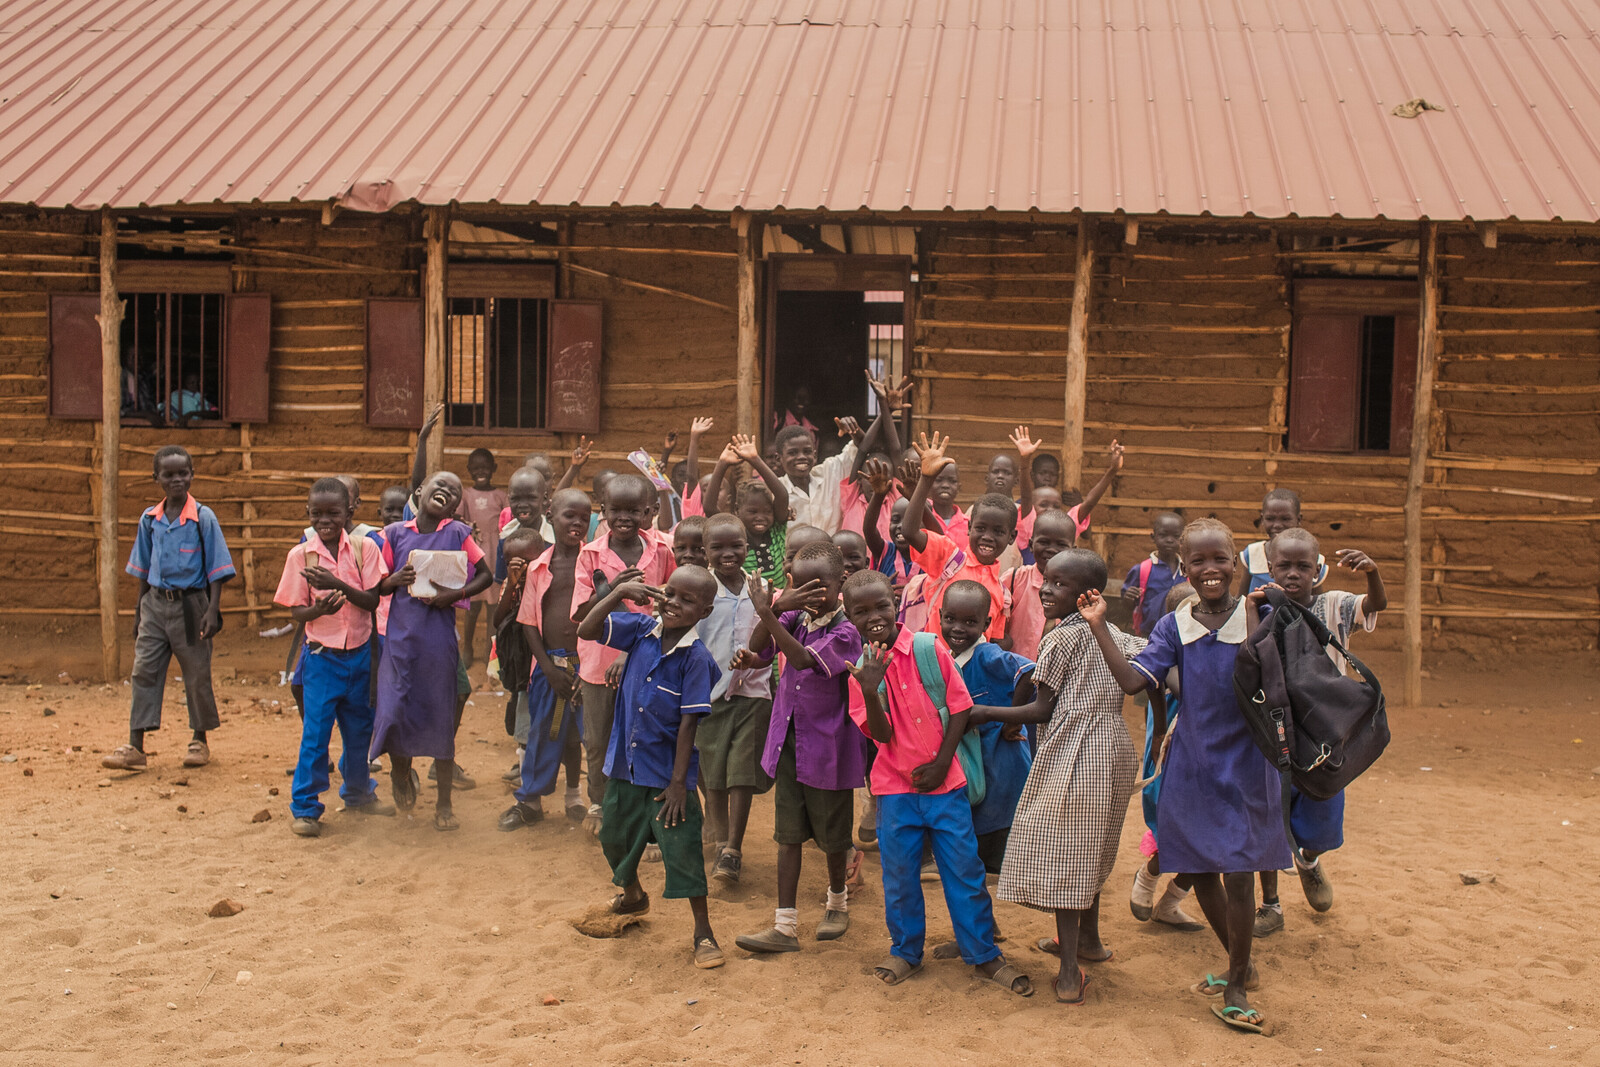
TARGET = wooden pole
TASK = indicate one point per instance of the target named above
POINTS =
(247, 467)
(1077, 388)
(435, 238)
(747, 400)
(110, 445)
(1421, 426)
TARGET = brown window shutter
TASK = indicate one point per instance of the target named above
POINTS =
(394, 363)
(574, 367)
(1405, 383)
(1324, 376)
(246, 347)
(75, 361)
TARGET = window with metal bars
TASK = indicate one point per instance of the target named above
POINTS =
(496, 362)
(172, 357)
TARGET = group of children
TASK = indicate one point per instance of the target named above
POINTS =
(809, 630)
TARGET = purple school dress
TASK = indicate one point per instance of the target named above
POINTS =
(416, 713)
(1219, 811)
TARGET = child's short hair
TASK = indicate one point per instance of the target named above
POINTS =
(851, 538)
(1294, 534)
(1204, 526)
(576, 496)
(680, 472)
(825, 550)
(1044, 459)
(753, 489)
(1287, 496)
(692, 524)
(331, 485)
(520, 538)
(868, 576)
(1090, 563)
(721, 520)
(998, 502)
(171, 450)
(1172, 514)
(1175, 596)
(482, 453)
(787, 434)
(968, 587)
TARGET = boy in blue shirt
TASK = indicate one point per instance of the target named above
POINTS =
(181, 561)
(1149, 580)
(650, 762)
(993, 677)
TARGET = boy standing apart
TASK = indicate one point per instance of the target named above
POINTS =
(650, 761)
(332, 591)
(1149, 581)
(920, 787)
(181, 561)
(812, 749)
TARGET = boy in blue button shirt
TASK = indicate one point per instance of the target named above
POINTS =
(650, 758)
(181, 561)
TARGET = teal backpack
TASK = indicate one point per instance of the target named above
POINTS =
(970, 751)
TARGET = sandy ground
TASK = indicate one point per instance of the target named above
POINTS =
(384, 941)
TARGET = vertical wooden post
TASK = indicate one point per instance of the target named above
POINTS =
(1077, 390)
(747, 400)
(110, 445)
(248, 556)
(435, 239)
(1421, 424)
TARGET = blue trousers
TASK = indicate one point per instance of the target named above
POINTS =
(1318, 824)
(335, 685)
(541, 755)
(905, 822)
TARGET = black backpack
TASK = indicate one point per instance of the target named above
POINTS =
(1319, 728)
(516, 664)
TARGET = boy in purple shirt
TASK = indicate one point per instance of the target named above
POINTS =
(813, 749)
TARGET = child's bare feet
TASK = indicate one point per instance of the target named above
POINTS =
(445, 819)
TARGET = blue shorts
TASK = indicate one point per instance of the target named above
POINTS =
(1318, 824)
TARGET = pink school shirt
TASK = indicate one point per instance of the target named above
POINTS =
(955, 527)
(940, 562)
(916, 730)
(1027, 614)
(349, 627)
(691, 503)
(530, 611)
(657, 564)
(1025, 525)
(853, 509)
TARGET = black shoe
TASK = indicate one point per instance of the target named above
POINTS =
(519, 815)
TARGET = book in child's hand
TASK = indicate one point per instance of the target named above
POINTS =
(437, 569)
(650, 469)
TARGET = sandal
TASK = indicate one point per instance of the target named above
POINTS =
(895, 970)
(445, 820)
(1051, 947)
(1212, 986)
(852, 871)
(1007, 977)
(707, 954)
(405, 797)
(1083, 990)
(1247, 1019)
(620, 906)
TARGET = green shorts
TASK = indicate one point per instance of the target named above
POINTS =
(463, 684)
(731, 741)
(804, 813)
(629, 822)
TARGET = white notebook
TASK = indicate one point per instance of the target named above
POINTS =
(437, 569)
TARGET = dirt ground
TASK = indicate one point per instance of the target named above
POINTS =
(384, 941)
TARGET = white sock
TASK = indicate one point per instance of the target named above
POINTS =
(1146, 880)
(839, 901)
(788, 921)
(1309, 864)
(1174, 892)
(1276, 905)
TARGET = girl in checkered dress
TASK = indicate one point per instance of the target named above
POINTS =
(1068, 821)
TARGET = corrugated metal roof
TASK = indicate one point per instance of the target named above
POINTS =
(1245, 107)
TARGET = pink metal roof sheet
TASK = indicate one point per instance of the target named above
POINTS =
(1226, 107)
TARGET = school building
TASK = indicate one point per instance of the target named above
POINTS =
(1353, 250)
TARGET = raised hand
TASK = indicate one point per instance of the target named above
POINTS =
(669, 442)
(1115, 452)
(932, 450)
(700, 425)
(730, 455)
(874, 663)
(900, 396)
(580, 454)
(1356, 560)
(1092, 606)
(1025, 445)
(879, 475)
(908, 472)
(745, 447)
(849, 427)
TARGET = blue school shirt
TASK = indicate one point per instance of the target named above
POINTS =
(167, 553)
(657, 691)
(1157, 586)
(992, 674)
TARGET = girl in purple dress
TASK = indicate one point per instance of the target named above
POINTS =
(416, 713)
(1219, 816)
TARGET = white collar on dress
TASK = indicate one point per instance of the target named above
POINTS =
(822, 622)
(1190, 630)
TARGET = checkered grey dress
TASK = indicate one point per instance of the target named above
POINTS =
(1068, 823)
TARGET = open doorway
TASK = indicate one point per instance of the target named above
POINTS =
(831, 319)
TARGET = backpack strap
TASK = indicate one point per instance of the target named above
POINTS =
(970, 749)
(1144, 583)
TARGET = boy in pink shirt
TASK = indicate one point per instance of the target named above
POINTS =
(1054, 534)
(993, 526)
(920, 787)
(625, 553)
(333, 592)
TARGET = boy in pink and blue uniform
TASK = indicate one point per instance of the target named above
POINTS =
(920, 786)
